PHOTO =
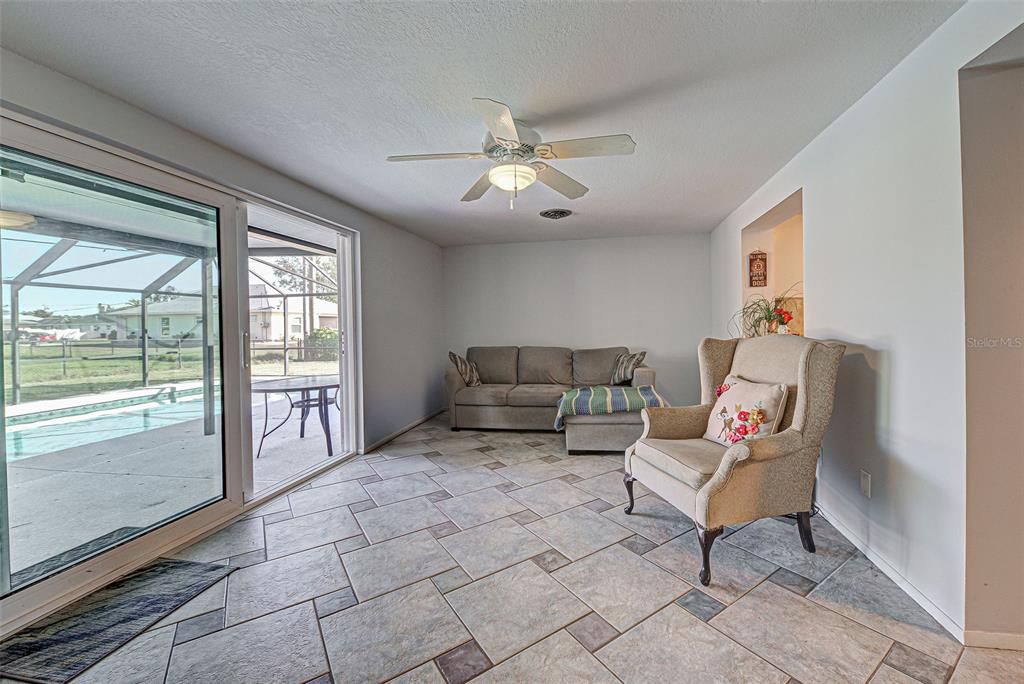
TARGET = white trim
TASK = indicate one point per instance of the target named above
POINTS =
(354, 333)
(1004, 640)
(245, 335)
(346, 249)
(410, 426)
(947, 622)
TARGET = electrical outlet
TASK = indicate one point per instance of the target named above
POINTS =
(865, 483)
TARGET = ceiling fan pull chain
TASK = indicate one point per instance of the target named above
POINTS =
(515, 188)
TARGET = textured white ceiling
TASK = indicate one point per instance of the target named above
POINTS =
(717, 95)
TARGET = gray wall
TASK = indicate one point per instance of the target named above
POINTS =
(884, 264)
(403, 355)
(648, 293)
(992, 139)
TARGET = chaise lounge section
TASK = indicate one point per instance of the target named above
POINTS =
(521, 387)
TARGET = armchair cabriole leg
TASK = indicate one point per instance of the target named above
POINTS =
(628, 480)
(803, 523)
(706, 538)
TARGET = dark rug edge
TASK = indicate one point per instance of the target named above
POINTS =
(180, 601)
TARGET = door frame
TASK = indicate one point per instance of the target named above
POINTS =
(350, 363)
(29, 604)
(26, 604)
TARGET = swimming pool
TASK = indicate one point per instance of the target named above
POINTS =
(45, 436)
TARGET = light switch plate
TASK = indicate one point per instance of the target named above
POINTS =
(865, 483)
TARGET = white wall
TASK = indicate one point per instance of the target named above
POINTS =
(883, 271)
(647, 293)
(403, 355)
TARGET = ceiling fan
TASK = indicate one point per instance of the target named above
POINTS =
(516, 151)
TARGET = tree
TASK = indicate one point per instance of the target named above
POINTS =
(41, 312)
(288, 279)
(167, 295)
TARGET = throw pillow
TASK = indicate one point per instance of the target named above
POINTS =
(467, 369)
(745, 410)
(625, 364)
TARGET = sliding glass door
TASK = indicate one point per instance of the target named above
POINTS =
(121, 356)
(299, 300)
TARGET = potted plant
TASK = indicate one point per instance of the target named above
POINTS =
(762, 316)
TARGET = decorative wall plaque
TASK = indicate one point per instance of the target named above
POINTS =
(757, 265)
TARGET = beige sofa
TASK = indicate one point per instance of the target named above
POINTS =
(521, 386)
(716, 485)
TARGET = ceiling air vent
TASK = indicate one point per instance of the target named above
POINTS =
(555, 214)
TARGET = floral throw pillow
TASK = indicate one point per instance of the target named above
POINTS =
(467, 369)
(745, 410)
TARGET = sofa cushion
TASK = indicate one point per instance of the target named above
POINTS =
(545, 365)
(496, 365)
(592, 367)
(483, 395)
(536, 395)
(691, 461)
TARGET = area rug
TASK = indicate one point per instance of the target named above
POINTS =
(66, 558)
(63, 645)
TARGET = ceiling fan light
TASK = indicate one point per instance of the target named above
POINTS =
(512, 177)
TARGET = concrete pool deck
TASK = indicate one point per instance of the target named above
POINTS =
(66, 498)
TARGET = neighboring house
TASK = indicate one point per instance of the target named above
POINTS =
(85, 327)
(182, 317)
(266, 315)
(174, 318)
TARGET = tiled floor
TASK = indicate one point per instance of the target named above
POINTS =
(448, 556)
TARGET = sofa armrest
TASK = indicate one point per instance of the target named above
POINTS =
(453, 382)
(680, 422)
(643, 376)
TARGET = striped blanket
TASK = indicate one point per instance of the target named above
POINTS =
(591, 401)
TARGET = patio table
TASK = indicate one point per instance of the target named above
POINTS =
(304, 386)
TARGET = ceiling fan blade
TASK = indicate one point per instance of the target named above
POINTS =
(479, 188)
(498, 119)
(559, 182)
(601, 146)
(447, 155)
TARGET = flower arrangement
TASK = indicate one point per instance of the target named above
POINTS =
(762, 316)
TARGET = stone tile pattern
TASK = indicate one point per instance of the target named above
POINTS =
(534, 584)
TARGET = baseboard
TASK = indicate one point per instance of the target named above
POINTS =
(1006, 640)
(410, 426)
(889, 571)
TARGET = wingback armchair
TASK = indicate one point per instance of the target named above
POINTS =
(716, 485)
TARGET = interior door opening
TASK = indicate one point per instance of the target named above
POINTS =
(773, 265)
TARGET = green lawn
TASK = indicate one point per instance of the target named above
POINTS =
(93, 369)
